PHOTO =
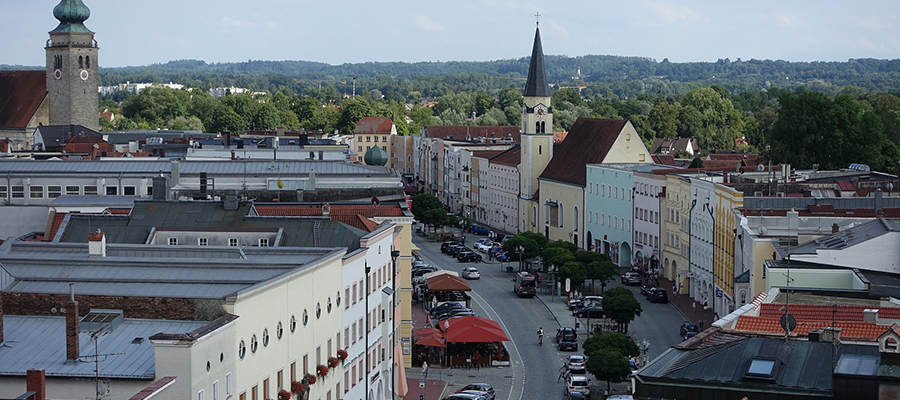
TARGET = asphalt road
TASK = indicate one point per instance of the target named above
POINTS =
(521, 317)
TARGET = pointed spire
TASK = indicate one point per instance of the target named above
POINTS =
(536, 85)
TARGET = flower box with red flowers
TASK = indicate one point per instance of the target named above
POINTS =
(284, 395)
(342, 354)
(310, 378)
(296, 387)
(321, 370)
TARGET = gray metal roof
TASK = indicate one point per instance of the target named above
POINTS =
(147, 270)
(800, 365)
(192, 167)
(147, 215)
(25, 339)
(850, 237)
(803, 203)
(106, 201)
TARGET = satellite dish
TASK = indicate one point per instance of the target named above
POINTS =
(763, 231)
(788, 323)
(760, 167)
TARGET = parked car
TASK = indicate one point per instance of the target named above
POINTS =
(445, 306)
(580, 384)
(567, 339)
(620, 397)
(455, 250)
(589, 312)
(631, 278)
(482, 244)
(657, 295)
(483, 387)
(645, 290)
(481, 395)
(574, 395)
(502, 256)
(575, 304)
(576, 364)
(446, 245)
(455, 314)
(688, 330)
(462, 396)
(480, 230)
(471, 273)
(469, 257)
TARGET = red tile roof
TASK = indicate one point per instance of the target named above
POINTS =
(846, 186)
(850, 330)
(559, 136)
(374, 125)
(817, 312)
(55, 221)
(588, 142)
(84, 144)
(664, 159)
(21, 94)
(356, 216)
(460, 132)
(511, 157)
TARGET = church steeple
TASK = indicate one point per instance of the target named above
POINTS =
(71, 15)
(536, 85)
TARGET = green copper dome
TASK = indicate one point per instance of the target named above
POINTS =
(376, 156)
(71, 15)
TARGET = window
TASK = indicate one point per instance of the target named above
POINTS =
(112, 191)
(215, 390)
(3, 192)
(36, 192)
(54, 191)
(129, 190)
(200, 395)
(280, 378)
(233, 242)
(263, 242)
(228, 384)
(354, 332)
(202, 241)
(266, 388)
(173, 241)
(354, 294)
(359, 149)
(347, 295)
(90, 190)
(346, 337)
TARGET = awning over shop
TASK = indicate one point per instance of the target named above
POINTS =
(430, 337)
(472, 330)
(447, 283)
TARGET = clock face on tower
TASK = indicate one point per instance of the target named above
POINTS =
(57, 74)
(84, 75)
(540, 111)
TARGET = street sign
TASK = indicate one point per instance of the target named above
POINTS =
(568, 284)
(421, 384)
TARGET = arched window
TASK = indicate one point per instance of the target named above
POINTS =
(543, 127)
(537, 127)
(562, 213)
(575, 219)
(87, 62)
(80, 62)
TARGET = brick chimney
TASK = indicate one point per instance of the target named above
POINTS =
(97, 243)
(72, 326)
(835, 228)
(36, 383)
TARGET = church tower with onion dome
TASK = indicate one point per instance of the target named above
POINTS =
(72, 80)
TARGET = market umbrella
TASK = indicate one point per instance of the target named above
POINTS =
(471, 329)
(430, 337)
(447, 283)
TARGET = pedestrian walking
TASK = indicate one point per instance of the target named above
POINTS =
(563, 373)
(694, 305)
(705, 305)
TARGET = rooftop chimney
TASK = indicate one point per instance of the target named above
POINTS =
(160, 188)
(72, 325)
(97, 243)
(870, 315)
(831, 334)
(36, 383)
(835, 228)
(879, 202)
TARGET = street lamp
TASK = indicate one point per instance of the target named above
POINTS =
(520, 250)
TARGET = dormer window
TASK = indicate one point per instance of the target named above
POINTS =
(762, 368)
(891, 345)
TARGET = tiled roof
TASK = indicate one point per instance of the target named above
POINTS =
(380, 125)
(823, 312)
(846, 186)
(588, 142)
(749, 158)
(850, 330)
(664, 159)
(356, 216)
(54, 135)
(511, 157)
(84, 144)
(55, 221)
(559, 136)
(461, 132)
(21, 94)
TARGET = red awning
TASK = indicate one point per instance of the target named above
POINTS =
(447, 283)
(430, 337)
(472, 330)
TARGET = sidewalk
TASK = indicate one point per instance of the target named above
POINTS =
(685, 304)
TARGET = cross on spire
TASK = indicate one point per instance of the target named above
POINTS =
(537, 16)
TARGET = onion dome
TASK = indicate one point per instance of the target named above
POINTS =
(376, 156)
(71, 15)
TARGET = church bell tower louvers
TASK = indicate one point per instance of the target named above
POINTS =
(537, 136)
(72, 68)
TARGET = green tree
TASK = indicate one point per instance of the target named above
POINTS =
(191, 123)
(530, 246)
(267, 116)
(620, 305)
(573, 270)
(664, 119)
(353, 110)
(483, 102)
(611, 341)
(156, 105)
(604, 271)
(423, 202)
(608, 365)
(716, 123)
(568, 95)
(225, 119)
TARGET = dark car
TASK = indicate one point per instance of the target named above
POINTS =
(657, 295)
(502, 256)
(645, 290)
(455, 250)
(575, 304)
(481, 387)
(567, 339)
(688, 330)
(479, 230)
(444, 307)
(446, 246)
(589, 312)
(468, 256)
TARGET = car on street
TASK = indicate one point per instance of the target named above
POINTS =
(446, 246)
(481, 387)
(576, 364)
(481, 395)
(468, 256)
(502, 256)
(567, 339)
(657, 295)
(462, 396)
(480, 230)
(580, 384)
(575, 304)
(445, 306)
(482, 244)
(620, 397)
(471, 273)
(631, 278)
(574, 395)
(505, 238)
(688, 330)
(589, 312)
(645, 290)
(454, 251)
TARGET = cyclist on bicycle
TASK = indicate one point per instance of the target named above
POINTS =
(540, 334)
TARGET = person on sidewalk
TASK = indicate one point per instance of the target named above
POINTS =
(694, 306)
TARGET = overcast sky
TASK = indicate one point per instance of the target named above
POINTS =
(133, 32)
